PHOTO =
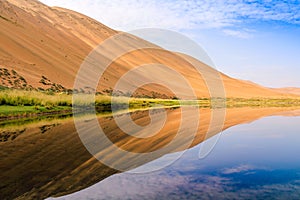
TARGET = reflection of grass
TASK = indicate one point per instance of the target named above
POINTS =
(59, 118)
(18, 122)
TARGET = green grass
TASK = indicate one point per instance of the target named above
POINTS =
(33, 98)
(262, 102)
(5, 110)
(21, 102)
(20, 110)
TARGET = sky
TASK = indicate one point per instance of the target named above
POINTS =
(246, 39)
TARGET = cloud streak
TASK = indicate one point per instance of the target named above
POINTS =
(243, 34)
(188, 14)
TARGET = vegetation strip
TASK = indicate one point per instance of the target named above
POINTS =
(21, 103)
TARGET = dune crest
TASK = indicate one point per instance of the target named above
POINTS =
(40, 41)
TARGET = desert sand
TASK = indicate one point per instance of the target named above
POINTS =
(41, 41)
(291, 90)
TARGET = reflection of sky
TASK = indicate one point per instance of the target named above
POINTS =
(252, 161)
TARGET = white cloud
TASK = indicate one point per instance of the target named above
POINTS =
(239, 34)
(187, 14)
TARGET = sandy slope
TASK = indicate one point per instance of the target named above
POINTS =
(291, 90)
(37, 40)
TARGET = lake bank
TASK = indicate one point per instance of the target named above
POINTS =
(20, 104)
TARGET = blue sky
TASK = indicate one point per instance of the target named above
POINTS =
(247, 39)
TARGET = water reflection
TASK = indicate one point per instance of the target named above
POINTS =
(258, 160)
(48, 159)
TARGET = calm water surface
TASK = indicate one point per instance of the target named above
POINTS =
(258, 160)
(255, 157)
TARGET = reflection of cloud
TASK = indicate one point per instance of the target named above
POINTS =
(272, 191)
(197, 185)
(238, 169)
(154, 186)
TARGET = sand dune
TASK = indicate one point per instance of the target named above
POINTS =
(37, 40)
(291, 90)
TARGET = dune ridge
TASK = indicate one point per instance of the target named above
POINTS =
(41, 41)
(290, 90)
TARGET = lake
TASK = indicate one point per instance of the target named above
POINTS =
(254, 157)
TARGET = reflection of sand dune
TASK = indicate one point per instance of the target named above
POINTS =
(37, 165)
